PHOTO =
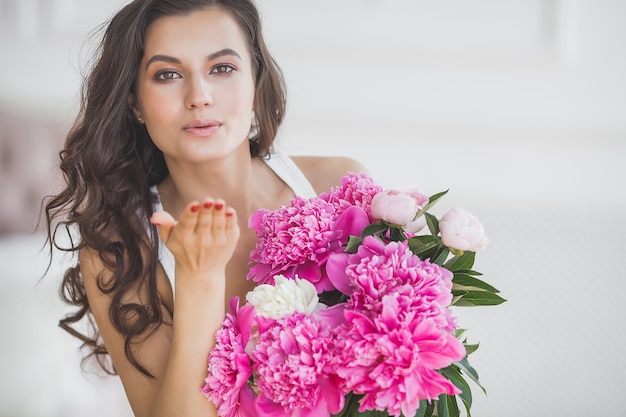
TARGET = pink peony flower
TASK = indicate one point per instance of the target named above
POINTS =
(399, 206)
(392, 359)
(230, 367)
(461, 230)
(379, 269)
(294, 240)
(350, 222)
(384, 329)
(356, 190)
(291, 360)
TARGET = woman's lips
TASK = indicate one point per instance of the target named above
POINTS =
(202, 127)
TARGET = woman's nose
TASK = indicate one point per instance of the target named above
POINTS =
(199, 93)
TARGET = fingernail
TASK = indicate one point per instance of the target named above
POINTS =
(230, 213)
(195, 208)
(219, 206)
(208, 205)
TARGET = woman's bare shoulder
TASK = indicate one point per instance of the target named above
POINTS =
(325, 172)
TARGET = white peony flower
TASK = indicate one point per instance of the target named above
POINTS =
(461, 230)
(284, 298)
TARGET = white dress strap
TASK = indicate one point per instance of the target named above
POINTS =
(165, 256)
(288, 171)
(285, 169)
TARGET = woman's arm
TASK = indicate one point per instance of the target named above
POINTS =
(202, 241)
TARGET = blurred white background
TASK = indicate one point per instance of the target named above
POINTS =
(517, 106)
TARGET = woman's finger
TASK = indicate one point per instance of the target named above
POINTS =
(164, 222)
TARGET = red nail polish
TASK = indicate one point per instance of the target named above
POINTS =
(208, 205)
(195, 208)
(219, 206)
(230, 213)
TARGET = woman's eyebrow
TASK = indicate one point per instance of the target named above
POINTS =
(223, 52)
(162, 58)
(172, 60)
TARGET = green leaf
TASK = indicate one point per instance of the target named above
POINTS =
(447, 406)
(351, 407)
(431, 202)
(426, 409)
(421, 245)
(477, 298)
(372, 413)
(421, 411)
(433, 198)
(433, 224)
(456, 296)
(332, 297)
(458, 333)
(467, 272)
(442, 407)
(469, 370)
(471, 348)
(461, 262)
(373, 229)
(423, 241)
(441, 256)
(397, 234)
(467, 281)
(453, 406)
(428, 247)
(353, 244)
(454, 375)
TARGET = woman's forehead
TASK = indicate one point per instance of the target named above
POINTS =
(200, 32)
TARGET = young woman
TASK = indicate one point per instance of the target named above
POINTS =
(177, 121)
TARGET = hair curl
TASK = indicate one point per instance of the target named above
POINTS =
(109, 164)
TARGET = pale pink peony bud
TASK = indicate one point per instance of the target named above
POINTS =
(461, 230)
(399, 206)
(415, 225)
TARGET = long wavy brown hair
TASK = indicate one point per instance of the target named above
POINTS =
(109, 164)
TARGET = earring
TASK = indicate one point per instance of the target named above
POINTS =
(140, 119)
(254, 128)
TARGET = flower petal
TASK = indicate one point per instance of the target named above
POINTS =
(336, 271)
(351, 222)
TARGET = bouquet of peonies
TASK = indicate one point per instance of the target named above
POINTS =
(352, 312)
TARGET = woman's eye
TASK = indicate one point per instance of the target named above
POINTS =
(222, 69)
(167, 75)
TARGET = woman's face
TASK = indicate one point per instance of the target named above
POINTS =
(195, 86)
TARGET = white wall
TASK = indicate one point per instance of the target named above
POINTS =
(519, 107)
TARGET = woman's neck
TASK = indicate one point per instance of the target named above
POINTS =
(244, 182)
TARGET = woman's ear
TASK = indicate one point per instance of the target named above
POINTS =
(132, 105)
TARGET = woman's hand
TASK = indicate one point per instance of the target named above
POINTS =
(202, 241)
(204, 237)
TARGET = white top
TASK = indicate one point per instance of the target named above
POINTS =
(282, 165)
